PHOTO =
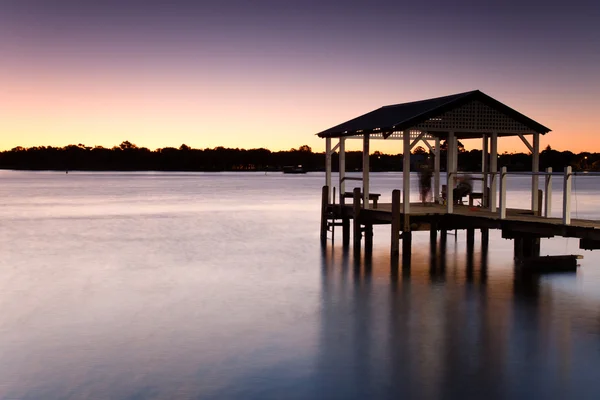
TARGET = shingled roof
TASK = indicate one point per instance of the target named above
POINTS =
(399, 117)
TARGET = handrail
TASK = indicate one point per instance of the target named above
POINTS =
(567, 180)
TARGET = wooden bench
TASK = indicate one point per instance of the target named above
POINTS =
(374, 197)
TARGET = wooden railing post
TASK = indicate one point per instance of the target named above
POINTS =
(503, 193)
(450, 192)
(567, 196)
(548, 205)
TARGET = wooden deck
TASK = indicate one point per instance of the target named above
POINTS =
(517, 221)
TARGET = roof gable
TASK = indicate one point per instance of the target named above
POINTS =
(469, 112)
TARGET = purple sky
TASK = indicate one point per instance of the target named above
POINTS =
(273, 73)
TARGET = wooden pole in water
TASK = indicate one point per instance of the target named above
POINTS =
(548, 206)
(356, 220)
(395, 245)
(324, 205)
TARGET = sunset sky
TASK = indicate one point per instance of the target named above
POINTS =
(273, 73)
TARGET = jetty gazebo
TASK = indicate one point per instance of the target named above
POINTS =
(468, 115)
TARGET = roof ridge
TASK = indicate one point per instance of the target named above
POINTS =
(456, 95)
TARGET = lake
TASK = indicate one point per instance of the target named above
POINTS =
(214, 286)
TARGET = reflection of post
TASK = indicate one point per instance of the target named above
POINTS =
(433, 244)
(470, 252)
(368, 238)
(485, 234)
(406, 249)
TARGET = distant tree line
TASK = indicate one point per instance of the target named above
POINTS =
(129, 157)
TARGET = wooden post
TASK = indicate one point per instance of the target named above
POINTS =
(324, 205)
(567, 196)
(356, 220)
(485, 168)
(395, 244)
(518, 243)
(493, 170)
(342, 168)
(436, 171)
(450, 174)
(366, 171)
(548, 206)
(503, 193)
(540, 200)
(535, 168)
(328, 167)
(406, 172)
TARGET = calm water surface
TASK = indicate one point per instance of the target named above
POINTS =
(214, 286)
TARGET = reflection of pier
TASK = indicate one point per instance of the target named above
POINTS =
(471, 115)
(389, 335)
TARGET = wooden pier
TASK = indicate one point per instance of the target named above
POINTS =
(468, 115)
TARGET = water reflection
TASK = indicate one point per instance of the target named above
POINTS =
(449, 326)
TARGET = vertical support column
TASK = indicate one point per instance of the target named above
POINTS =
(535, 167)
(324, 204)
(342, 168)
(395, 245)
(450, 174)
(493, 170)
(455, 155)
(436, 171)
(548, 205)
(328, 167)
(503, 193)
(406, 173)
(356, 206)
(485, 168)
(366, 171)
(567, 196)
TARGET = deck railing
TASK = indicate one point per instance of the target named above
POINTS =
(548, 174)
(501, 175)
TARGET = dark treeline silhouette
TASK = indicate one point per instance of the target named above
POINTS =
(129, 157)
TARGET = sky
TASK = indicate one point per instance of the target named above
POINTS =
(273, 73)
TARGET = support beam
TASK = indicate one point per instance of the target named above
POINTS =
(428, 145)
(535, 167)
(548, 198)
(436, 171)
(503, 193)
(567, 196)
(529, 146)
(493, 170)
(342, 169)
(366, 171)
(406, 173)
(328, 167)
(450, 177)
(417, 139)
